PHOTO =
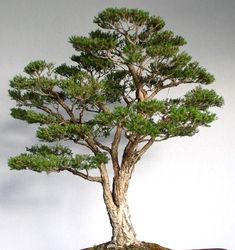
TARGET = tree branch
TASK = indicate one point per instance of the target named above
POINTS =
(63, 105)
(81, 143)
(50, 111)
(102, 146)
(82, 175)
(114, 149)
(144, 149)
(169, 85)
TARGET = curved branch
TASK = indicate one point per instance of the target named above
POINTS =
(82, 175)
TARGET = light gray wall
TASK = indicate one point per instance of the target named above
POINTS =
(182, 193)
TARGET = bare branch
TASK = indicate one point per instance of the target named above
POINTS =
(144, 149)
(91, 110)
(50, 111)
(102, 146)
(81, 143)
(81, 114)
(114, 148)
(82, 175)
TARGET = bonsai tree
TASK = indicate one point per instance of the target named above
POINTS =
(108, 98)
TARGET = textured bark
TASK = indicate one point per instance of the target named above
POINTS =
(123, 230)
(123, 233)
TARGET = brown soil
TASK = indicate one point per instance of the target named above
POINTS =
(143, 246)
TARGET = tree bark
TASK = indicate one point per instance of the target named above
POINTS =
(123, 233)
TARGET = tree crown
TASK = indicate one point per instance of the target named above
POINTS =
(111, 91)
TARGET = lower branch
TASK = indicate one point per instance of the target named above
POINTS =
(84, 176)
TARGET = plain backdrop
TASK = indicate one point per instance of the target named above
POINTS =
(182, 192)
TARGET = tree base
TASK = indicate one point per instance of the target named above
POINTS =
(141, 246)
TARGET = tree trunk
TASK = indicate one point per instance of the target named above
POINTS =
(123, 233)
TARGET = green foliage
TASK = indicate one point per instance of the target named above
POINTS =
(150, 108)
(113, 90)
(174, 117)
(130, 118)
(92, 63)
(38, 162)
(67, 71)
(182, 117)
(33, 117)
(47, 150)
(203, 99)
(141, 125)
(32, 84)
(57, 132)
(111, 118)
(111, 16)
(84, 90)
(44, 158)
(131, 54)
(36, 68)
(164, 44)
(89, 44)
